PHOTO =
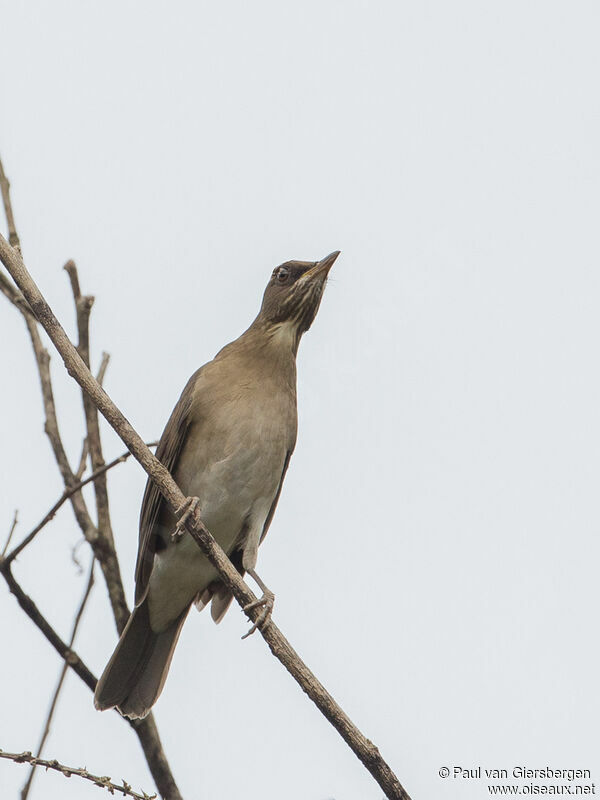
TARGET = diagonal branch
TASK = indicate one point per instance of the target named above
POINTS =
(14, 296)
(63, 498)
(10, 533)
(364, 749)
(103, 781)
(61, 680)
(35, 615)
(144, 729)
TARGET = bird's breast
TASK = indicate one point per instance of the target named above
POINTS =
(232, 460)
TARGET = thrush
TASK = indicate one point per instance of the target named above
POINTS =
(228, 444)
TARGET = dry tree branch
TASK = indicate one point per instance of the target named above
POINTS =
(83, 307)
(102, 545)
(66, 495)
(35, 615)
(103, 781)
(13, 236)
(61, 680)
(102, 370)
(10, 533)
(14, 296)
(145, 729)
(63, 498)
(364, 749)
(103, 549)
(82, 460)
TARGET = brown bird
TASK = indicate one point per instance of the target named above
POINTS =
(227, 443)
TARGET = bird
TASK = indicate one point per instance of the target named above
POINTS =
(228, 444)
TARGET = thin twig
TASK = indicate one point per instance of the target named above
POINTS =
(36, 616)
(14, 295)
(364, 749)
(13, 237)
(71, 269)
(103, 781)
(82, 460)
(10, 533)
(74, 559)
(63, 498)
(6, 287)
(59, 685)
(144, 729)
(103, 366)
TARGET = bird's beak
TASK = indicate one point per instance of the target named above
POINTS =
(323, 266)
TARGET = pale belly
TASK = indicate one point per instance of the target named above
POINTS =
(236, 493)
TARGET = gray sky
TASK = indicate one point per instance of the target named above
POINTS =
(435, 551)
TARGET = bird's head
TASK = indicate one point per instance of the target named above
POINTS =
(294, 293)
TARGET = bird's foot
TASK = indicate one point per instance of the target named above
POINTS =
(267, 602)
(185, 509)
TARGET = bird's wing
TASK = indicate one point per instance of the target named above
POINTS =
(168, 453)
(269, 518)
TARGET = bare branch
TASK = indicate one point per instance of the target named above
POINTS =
(36, 616)
(71, 269)
(82, 460)
(98, 780)
(15, 296)
(105, 543)
(364, 749)
(147, 733)
(10, 533)
(13, 237)
(83, 308)
(7, 288)
(64, 497)
(145, 730)
(103, 367)
(68, 493)
(59, 685)
(102, 545)
(103, 550)
(74, 558)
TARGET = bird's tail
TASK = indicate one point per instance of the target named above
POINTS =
(136, 673)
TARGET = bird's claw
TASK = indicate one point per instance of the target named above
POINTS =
(188, 507)
(266, 601)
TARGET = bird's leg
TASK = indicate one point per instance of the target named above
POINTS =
(188, 507)
(266, 601)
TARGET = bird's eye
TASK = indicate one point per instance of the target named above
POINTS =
(282, 274)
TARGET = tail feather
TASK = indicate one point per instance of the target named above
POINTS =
(136, 673)
(221, 601)
(221, 595)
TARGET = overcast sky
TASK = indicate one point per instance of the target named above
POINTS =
(435, 551)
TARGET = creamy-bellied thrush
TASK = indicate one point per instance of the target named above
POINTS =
(228, 445)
